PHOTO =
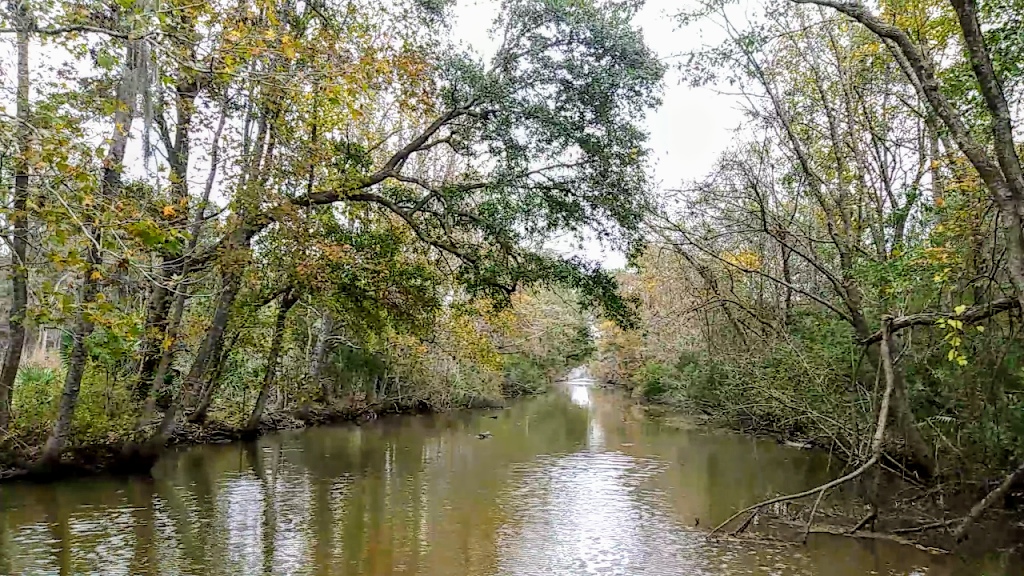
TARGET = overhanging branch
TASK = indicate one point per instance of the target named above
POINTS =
(969, 316)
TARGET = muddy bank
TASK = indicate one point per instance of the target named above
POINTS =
(121, 458)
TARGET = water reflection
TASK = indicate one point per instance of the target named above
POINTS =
(570, 483)
(580, 395)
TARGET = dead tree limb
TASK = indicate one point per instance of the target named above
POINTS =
(876, 441)
(865, 520)
(810, 517)
(924, 527)
(979, 508)
(745, 523)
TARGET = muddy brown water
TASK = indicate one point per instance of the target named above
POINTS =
(574, 482)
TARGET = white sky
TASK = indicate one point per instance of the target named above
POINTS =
(692, 126)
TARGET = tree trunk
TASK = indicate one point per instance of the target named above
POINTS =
(206, 396)
(320, 357)
(156, 319)
(919, 450)
(19, 241)
(287, 301)
(787, 276)
(123, 116)
(172, 328)
(206, 350)
(76, 368)
(159, 384)
(178, 149)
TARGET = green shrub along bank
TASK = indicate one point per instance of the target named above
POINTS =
(469, 362)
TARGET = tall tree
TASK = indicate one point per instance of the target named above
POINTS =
(18, 219)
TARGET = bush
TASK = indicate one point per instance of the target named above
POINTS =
(34, 402)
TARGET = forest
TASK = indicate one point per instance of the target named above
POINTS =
(850, 273)
(231, 213)
(252, 214)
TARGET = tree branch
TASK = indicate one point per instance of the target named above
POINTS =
(979, 508)
(922, 69)
(969, 316)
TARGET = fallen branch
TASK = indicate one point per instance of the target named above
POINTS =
(876, 441)
(979, 508)
(969, 316)
(924, 527)
(835, 531)
(745, 523)
(864, 521)
(810, 517)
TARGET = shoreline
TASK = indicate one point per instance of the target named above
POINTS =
(910, 512)
(118, 459)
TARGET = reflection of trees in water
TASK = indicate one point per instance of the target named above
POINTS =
(418, 496)
(57, 518)
(140, 498)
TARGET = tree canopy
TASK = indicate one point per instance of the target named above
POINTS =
(181, 168)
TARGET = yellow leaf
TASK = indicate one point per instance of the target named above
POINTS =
(169, 211)
(960, 309)
(95, 275)
(979, 328)
(951, 355)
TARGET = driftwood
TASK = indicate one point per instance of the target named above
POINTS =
(876, 441)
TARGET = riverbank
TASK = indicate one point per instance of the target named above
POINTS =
(907, 510)
(17, 463)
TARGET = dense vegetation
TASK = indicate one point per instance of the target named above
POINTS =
(233, 208)
(859, 248)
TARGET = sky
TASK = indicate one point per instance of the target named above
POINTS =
(688, 132)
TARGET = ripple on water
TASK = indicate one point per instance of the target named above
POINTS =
(591, 513)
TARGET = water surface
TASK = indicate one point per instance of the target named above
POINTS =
(574, 482)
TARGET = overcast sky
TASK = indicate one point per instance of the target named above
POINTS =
(692, 126)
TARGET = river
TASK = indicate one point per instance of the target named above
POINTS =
(574, 482)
